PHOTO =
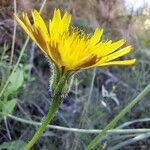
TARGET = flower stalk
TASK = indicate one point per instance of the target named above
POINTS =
(53, 109)
(59, 88)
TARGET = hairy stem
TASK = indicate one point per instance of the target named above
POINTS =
(51, 113)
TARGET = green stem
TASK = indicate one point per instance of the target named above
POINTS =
(77, 130)
(51, 113)
(118, 117)
(59, 91)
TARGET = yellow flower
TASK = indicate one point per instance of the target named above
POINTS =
(72, 49)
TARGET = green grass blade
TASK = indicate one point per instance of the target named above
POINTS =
(118, 117)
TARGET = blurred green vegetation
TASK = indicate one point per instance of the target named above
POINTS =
(96, 95)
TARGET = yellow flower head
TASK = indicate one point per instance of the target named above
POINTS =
(72, 49)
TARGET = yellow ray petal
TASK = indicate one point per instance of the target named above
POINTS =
(55, 23)
(53, 52)
(57, 15)
(66, 22)
(26, 20)
(86, 62)
(112, 48)
(105, 48)
(29, 30)
(96, 36)
(117, 54)
(122, 62)
(39, 23)
(24, 27)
